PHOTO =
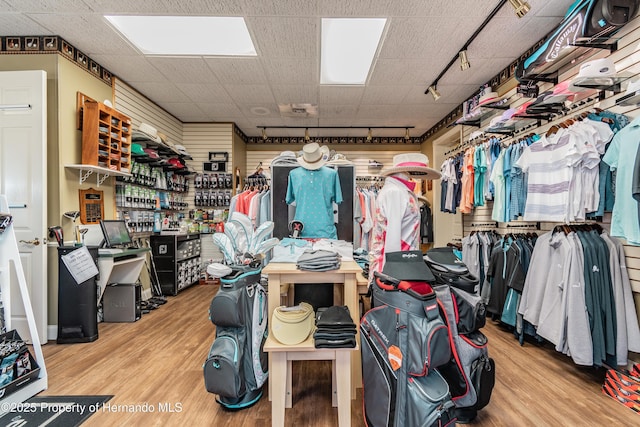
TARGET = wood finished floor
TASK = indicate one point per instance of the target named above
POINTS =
(158, 360)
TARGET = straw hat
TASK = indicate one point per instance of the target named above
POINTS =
(415, 164)
(313, 156)
(147, 132)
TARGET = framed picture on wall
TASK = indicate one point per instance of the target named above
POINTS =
(32, 43)
(13, 43)
(50, 43)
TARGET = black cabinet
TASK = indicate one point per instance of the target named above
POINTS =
(77, 303)
(176, 261)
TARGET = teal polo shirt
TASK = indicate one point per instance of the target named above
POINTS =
(621, 156)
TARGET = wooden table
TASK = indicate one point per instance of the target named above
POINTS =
(280, 360)
(287, 273)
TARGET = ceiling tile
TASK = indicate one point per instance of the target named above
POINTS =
(420, 39)
(220, 112)
(340, 94)
(295, 94)
(285, 37)
(409, 71)
(14, 24)
(167, 7)
(260, 110)
(183, 70)
(44, 6)
(160, 92)
(499, 32)
(89, 33)
(251, 94)
(185, 112)
(278, 7)
(130, 68)
(237, 70)
(344, 112)
(294, 71)
(384, 94)
(205, 92)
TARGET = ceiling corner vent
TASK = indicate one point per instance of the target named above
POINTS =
(298, 110)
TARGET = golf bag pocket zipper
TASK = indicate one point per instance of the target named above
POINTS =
(429, 401)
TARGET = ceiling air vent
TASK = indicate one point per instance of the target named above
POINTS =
(298, 110)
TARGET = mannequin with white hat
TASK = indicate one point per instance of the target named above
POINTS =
(314, 189)
(397, 219)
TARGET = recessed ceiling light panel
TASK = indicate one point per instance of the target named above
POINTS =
(186, 35)
(348, 49)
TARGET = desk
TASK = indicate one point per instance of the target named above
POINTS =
(287, 273)
(113, 270)
(280, 358)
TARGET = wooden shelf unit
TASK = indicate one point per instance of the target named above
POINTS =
(106, 137)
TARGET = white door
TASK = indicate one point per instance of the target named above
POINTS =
(23, 180)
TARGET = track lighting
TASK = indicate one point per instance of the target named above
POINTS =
(464, 61)
(434, 92)
(369, 137)
(521, 7)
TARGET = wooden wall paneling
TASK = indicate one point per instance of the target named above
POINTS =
(627, 61)
(142, 110)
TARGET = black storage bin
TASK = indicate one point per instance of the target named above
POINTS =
(23, 370)
(77, 303)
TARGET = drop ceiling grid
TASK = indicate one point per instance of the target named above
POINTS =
(16, 24)
(132, 68)
(205, 92)
(183, 70)
(251, 93)
(295, 94)
(237, 70)
(285, 37)
(164, 92)
(420, 39)
(220, 112)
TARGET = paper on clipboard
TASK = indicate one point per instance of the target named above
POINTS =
(80, 264)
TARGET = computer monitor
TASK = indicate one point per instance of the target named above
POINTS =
(116, 234)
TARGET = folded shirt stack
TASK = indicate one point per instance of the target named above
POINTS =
(334, 328)
(318, 260)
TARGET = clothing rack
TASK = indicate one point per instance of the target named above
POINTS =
(369, 181)
(485, 224)
(256, 181)
(535, 226)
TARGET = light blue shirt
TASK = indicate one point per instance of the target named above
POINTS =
(620, 156)
(314, 192)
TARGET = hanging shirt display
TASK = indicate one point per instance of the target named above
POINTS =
(397, 222)
(620, 157)
(314, 192)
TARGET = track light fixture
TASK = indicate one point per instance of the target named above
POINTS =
(369, 137)
(521, 7)
(434, 92)
(464, 61)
